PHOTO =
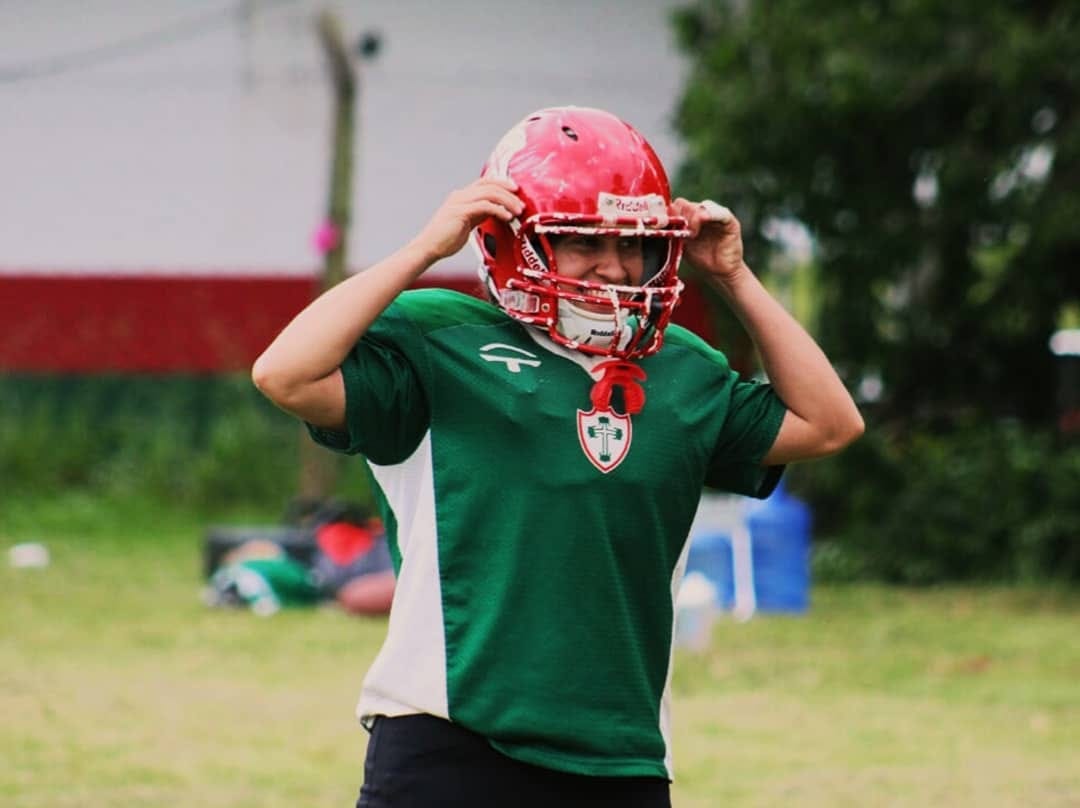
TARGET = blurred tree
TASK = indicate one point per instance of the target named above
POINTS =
(932, 149)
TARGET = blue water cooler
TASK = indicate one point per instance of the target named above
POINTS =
(710, 554)
(780, 540)
(755, 552)
(719, 517)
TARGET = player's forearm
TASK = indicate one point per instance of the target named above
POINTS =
(318, 339)
(797, 368)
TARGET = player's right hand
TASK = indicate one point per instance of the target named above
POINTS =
(448, 229)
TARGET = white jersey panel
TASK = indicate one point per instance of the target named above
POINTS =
(665, 700)
(409, 674)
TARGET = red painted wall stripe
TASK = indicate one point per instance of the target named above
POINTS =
(157, 323)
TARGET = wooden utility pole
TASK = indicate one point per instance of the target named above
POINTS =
(318, 466)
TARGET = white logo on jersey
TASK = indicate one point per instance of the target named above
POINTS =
(605, 437)
(513, 363)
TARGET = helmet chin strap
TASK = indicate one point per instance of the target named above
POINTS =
(601, 329)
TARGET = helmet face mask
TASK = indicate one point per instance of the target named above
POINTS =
(585, 172)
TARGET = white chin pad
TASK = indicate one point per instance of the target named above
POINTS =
(587, 327)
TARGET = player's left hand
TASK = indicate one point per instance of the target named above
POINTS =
(715, 244)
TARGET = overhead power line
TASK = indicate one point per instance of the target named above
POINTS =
(140, 43)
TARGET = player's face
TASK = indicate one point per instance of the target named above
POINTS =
(602, 259)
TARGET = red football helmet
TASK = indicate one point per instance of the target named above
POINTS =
(583, 171)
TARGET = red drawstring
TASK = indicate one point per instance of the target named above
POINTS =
(624, 374)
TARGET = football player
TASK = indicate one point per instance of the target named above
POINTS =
(539, 456)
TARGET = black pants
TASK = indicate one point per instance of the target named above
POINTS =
(419, 761)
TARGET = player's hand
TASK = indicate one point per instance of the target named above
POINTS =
(448, 229)
(715, 244)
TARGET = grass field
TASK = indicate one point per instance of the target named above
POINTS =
(119, 688)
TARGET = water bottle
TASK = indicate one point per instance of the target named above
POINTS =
(695, 611)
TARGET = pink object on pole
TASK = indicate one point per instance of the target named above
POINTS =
(326, 237)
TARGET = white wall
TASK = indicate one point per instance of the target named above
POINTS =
(207, 148)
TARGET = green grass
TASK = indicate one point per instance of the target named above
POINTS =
(119, 688)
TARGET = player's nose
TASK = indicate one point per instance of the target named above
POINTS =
(609, 265)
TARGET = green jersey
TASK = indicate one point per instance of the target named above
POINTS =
(540, 538)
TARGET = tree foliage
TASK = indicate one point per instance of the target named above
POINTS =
(932, 149)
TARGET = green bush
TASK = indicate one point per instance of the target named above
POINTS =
(992, 501)
(204, 441)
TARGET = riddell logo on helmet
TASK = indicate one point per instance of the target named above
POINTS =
(612, 206)
(531, 258)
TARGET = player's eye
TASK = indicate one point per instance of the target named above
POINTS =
(580, 242)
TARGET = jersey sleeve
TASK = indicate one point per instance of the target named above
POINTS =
(753, 419)
(386, 405)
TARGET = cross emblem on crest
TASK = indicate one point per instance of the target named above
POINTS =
(604, 436)
(604, 430)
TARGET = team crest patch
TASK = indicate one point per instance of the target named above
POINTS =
(605, 437)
